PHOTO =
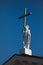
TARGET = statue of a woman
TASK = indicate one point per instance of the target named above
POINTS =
(26, 37)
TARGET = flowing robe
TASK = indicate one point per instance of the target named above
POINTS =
(26, 37)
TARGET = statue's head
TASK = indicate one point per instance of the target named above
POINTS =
(27, 27)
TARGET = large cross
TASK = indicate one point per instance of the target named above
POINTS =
(25, 16)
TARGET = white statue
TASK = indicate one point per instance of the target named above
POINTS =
(26, 37)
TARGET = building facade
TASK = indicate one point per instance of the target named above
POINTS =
(24, 60)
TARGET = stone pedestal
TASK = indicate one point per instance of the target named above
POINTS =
(26, 51)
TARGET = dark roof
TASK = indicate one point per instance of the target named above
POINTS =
(23, 55)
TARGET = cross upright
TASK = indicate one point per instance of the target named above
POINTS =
(25, 16)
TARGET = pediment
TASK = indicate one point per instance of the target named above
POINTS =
(20, 62)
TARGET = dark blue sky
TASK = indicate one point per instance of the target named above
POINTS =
(11, 27)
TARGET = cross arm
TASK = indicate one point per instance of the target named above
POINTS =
(25, 15)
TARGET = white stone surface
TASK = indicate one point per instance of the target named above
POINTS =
(26, 51)
(26, 37)
(26, 41)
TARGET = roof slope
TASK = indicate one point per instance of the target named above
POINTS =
(22, 57)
